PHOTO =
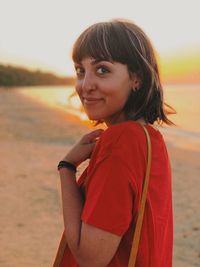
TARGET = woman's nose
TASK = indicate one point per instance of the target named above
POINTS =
(88, 82)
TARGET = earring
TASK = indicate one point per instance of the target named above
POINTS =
(134, 89)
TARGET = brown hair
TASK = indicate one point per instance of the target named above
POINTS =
(124, 42)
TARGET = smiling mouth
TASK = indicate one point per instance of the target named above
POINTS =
(91, 101)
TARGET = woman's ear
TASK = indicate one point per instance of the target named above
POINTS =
(135, 80)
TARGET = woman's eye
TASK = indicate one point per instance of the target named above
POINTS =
(79, 70)
(102, 70)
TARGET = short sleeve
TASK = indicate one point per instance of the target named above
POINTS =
(110, 196)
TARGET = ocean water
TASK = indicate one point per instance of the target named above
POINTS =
(185, 100)
(59, 97)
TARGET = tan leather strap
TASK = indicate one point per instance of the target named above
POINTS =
(138, 227)
(60, 251)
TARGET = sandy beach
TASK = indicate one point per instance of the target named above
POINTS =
(33, 138)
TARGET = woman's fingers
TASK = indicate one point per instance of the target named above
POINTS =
(92, 136)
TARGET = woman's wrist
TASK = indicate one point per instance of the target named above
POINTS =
(66, 164)
(70, 160)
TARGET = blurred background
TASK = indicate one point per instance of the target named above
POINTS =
(40, 120)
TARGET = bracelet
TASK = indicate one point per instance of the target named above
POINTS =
(66, 164)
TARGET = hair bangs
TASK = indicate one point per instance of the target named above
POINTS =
(94, 43)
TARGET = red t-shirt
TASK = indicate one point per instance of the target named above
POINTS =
(116, 171)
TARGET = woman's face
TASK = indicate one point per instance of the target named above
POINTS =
(103, 88)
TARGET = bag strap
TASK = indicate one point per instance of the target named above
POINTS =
(138, 227)
(60, 251)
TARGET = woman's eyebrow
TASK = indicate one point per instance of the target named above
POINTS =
(95, 61)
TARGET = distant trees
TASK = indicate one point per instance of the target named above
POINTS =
(18, 76)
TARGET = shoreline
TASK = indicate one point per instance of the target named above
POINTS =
(33, 138)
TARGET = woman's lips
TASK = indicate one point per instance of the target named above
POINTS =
(91, 101)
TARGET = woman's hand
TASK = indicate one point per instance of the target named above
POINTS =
(82, 150)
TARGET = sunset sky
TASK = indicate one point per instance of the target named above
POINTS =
(40, 33)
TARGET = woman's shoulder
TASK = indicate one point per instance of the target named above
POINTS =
(128, 132)
(118, 141)
(120, 134)
(123, 129)
(126, 141)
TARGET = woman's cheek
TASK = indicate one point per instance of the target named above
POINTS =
(78, 88)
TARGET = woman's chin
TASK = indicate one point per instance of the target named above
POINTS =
(95, 118)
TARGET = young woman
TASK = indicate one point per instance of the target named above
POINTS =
(118, 84)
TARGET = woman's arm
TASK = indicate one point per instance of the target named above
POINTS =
(90, 246)
(72, 204)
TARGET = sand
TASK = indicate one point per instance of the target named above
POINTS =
(33, 138)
